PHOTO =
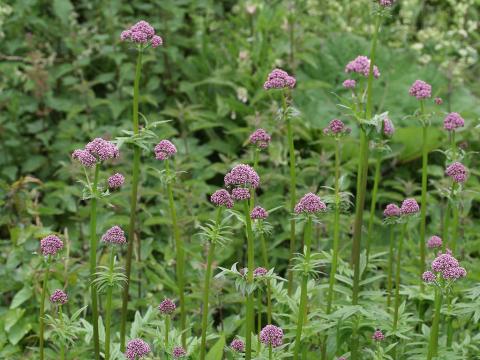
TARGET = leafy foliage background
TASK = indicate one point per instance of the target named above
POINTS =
(66, 78)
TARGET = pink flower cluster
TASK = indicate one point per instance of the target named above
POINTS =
(222, 198)
(167, 307)
(271, 335)
(279, 79)
(438, 101)
(336, 127)
(445, 265)
(237, 345)
(386, 3)
(388, 128)
(349, 84)
(311, 204)
(392, 210)
(96, 150)
(258, 213)
(242, 175)
(164, 150)
(409, 207)
(421, 90)
(361, 65)
(453, 121)
(50, 245)
(141, 33)
(116, 181)
(434, 242)
(136, 349)
(457, 171)
(114, 235)
(178, 352)
(240, 193)
(260, 271)
(260, 138)
(378, 336)
(59, 297)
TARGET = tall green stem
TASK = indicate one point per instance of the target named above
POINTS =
(62, 341)
(362, 187)
(42, 308)
(293, 190)
(93, 261)
(267, 266)
(446, 226)
(167, 330)
(255, 166)
(250, 264)
(133, 203)
(373, 204)
(206, 289)
(180, 260)
(423, 208)
(302, 311)
(108, 320)
(397, 276)
(390, 267)
(433, 344)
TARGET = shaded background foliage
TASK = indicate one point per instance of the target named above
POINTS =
(66, 78)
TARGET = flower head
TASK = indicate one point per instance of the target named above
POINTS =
(142, 33)
(271, 335)
(222, 198)
(378, 335)
(421, 90)
(434, 242)
(260, 138)
(349, 84)
(409, 207)
(392, 210)
(428, 277)
(178, 352)
(167, 307)
(258, 213)
(388, 128)
(361, 65)
(164, 150)
(448, 266)
(102, 149)
(242, 175)
(59, 297)
(438, 101)
(136, 349)
(453, 121)
(260, 271)
(310, 203)
(241, 193)
(279, 79)
(116, 181)
(386, 3)
(114, 235)
(84, 157)
(336, 127)
(457, 171)
(50, 245)
(237, 345)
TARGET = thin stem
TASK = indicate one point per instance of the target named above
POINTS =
(376, 181)
(167, 330)
(390, 267)
(455, 219)
(42, 308)
(446, 226)
(433, 344)
(302, 311)
(449, 321)
(267, 266)
(423, 209)
(62, 342)
(108, 320)
(270, 355)
(397, 276)
(259, 318)
(180, 260)
(206, 289)
(133, 203)
(293, 189)
(93, 261)
(256, 153)
(250, 264)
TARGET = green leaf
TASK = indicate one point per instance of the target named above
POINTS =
(18, 331)
(63, 9)
(20, 297)
(216, 352)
